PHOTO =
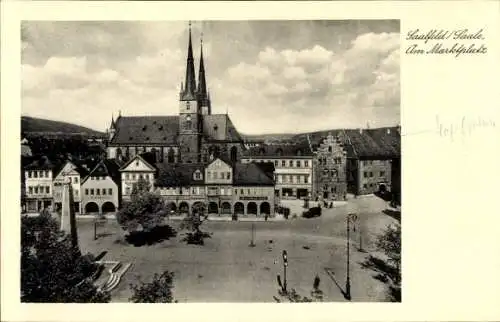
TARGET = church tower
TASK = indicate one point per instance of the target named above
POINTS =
(189, 114)
(202, 93)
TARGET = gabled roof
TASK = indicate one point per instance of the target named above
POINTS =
(218, 127)
(247, 174)
(280, 150)
(373, 143)
(78, 168)
(222, 158)
(105, 168)
(146, 130)
(179, 175)
(141, 158)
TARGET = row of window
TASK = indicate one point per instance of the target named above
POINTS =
(370, 174)
(97, 178)
(39, 174)
(133, 176)
(324, 161)
(214, 175)
(287, 163)
(212, 191)
(59, 194)
(286, 178)
(39, 190)
(70, 180)
(99, 192)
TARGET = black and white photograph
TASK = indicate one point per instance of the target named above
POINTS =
(205, 161)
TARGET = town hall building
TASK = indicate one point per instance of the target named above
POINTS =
(193, 136)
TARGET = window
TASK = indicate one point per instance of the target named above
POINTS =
(76, 192)
(133, 176)
(307, 179)
(35, 174)
(103, 191)
(365, 186)
(127, 176)
(371, 174)
(298, 164)
(41, 174)
(91, 192)
(228, 175)
(47, 189)
(290, 163)
(127, 190)
(330, 148)
(382, 173)
(209, 175)
(306, 163)
(248, 190)
(86, 192)
(30, 189)
(197, 175)
(365, 174)
(141, 177)
(75, 179)
(242, 192)
(275, 163)
(29, 174)
(110, 191)
(280, 179)
(235, 191)
(283, 163)
(98, 191)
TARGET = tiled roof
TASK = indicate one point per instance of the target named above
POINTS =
(279, 150)
(106, 168)
(247, 174)
(178, 175)
(267, 167)
(218, 127)
(165, 129)
(146, 130)
(78, 168)
(373, 143)
(43, 163)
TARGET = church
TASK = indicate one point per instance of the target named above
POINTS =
(194, 136)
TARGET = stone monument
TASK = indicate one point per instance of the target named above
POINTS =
(68, 219)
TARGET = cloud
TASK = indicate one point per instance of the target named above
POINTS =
(269, 83)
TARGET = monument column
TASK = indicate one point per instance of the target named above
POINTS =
(68, 218)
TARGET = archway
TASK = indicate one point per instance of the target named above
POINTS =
(239, 208)
(108, 206)
(213, 208)
(226, 208)
(265, 208)
(172, 207)
(234, 154)
(252, 208)
(91, 207)
(184, 208)
(199, 206)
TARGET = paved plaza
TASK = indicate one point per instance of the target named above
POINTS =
(226, 269)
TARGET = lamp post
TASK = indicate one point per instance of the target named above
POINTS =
(350, 217)
(285, 264)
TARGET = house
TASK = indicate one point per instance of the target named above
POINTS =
(101, 188)
(72, 173)
(38, 185)
(293, 165)
(140, 167)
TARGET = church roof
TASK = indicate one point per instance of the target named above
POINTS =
(218, 127)
(146, 130)
(373, 143)
(247, 174)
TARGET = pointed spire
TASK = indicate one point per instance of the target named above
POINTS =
(189, 92)
(202, 84)
(112, 121)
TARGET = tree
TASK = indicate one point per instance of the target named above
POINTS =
(193, 223)
(51, 271)
(159, 290)
(142, 186)
(389, 268)
(146, 211)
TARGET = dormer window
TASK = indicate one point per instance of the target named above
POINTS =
(299, 152)
(197, 175)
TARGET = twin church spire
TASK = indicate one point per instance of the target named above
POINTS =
(189, 91)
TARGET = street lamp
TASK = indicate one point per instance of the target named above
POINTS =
(353, 218)
(285, 264)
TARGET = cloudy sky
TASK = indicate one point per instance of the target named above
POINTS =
(270, 76)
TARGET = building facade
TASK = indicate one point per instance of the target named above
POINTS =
(134, 170)
(193, 136)
(72, 174)
(100, 189)
(330, 170)
(293, 166)
(38, 185)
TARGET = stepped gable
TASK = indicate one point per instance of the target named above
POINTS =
(249, 174)
(146, 130)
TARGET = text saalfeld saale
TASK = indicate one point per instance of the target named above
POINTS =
(442, 34)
